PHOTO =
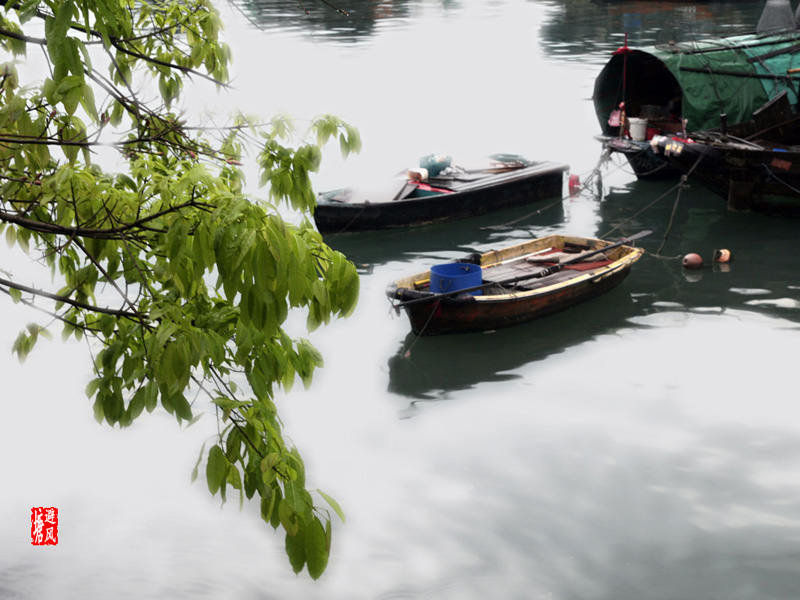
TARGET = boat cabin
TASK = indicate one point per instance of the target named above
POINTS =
(696, 86)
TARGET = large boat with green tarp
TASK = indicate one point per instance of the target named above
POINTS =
(679, 88)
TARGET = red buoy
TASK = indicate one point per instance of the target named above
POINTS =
(692, 261)
(722, 256)
(574, 185)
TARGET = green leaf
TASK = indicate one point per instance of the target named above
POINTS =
(316, 548)
(21, 346)
(269, 462)
(216, 469)
(183, 409)
(234, 478)
(197, 464)
(289, 519)
(11, 236)
(136, 405)
(113, 406)
(150, 396)
(176, 239)
(333, 504)
(92, 387)
(267, 505)
(275, 519)
(296, 549)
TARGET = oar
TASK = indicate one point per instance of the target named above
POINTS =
(543, 273)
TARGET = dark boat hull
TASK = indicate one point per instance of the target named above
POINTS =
(749, 177)
(515, 188)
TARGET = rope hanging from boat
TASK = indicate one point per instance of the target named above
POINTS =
(680, 186)
(436, 304)
(508, 224)
(353, 220)
(772, 175)
(644, 173)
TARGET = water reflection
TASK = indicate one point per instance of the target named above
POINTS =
(577, 27)
(446, 241)
(339, 21)
(761, 277)
(419, 370)
(590, 30)
(634, 476)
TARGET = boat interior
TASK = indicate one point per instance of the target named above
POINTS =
(650, 92)
(775, 125)
(530, 266)
(432, 179)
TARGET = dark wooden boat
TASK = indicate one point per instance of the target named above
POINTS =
(702, 85)
(421, 198)
(754, 165)
(518, 284)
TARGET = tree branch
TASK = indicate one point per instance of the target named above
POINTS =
(70, 301)
(23, 38)
(94, 232)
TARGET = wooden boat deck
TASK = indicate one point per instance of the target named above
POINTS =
(521, 267)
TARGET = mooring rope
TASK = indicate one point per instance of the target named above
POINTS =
(680, 186)
(353, 220)
(779, 180)
(424, 327)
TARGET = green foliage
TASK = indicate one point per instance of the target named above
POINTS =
(182, 283)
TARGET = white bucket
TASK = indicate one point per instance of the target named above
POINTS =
(418, 174)
(638, 128)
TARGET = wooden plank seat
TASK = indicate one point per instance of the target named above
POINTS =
(521, 268)
(532, 284)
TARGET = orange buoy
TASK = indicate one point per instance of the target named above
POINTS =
(722, 256)
(692, 261)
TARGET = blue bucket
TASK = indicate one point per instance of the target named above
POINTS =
(452, 277)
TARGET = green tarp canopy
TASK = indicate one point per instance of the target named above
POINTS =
(699, 81)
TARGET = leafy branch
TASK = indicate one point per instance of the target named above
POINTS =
(203, 274)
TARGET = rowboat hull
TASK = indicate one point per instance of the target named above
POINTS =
(490, 311)
(498, 192)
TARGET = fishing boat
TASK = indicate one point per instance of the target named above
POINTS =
(513, 285)
(754, 165)
(441, 191)
(681, 88)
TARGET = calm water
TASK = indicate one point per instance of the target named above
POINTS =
(643, 446)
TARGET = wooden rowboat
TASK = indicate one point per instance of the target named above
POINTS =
(517, 284)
